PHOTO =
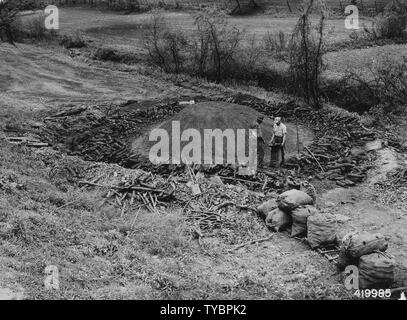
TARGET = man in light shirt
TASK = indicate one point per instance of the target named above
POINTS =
(279, 136)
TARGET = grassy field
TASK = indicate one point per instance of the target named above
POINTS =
(274, 6)
(118, 29)
(128, 31)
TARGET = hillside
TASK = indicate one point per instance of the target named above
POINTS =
(78, 195)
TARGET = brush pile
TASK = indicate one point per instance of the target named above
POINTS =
(142, 190)
(207, 203)
(217, 204)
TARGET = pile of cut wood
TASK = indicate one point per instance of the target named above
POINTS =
(103, 133)
(338, 151)
(210, 202)
(397, 177)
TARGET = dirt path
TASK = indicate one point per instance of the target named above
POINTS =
(387, 161)
(288, 266)
(33, 78)
(369, 209)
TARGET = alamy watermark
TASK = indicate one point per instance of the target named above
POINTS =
(352, 17)
(352, 283)
(51, 281)
(212, 147)
(51, 17)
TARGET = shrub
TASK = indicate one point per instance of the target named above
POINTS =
(249, 61)
(215, 46)
(165, 47)
(212, 52)
(391, 23)
(216, 51)
(383, 89)
(9, 10)
(389, 82)
(276, 44)
(115, 55)
(75, 41)
(244, 7)
(31, 27)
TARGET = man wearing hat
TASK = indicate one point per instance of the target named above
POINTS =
(279, 136)
(260, 140)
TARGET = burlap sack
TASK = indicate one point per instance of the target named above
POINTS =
(358, 244)
(321, 230)
(293, 199)
(266, 207)
(376, 270)
(300, 216)
(344, 260)
(278, 220)
(400, 275)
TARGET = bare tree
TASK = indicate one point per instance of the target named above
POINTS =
(306, 50)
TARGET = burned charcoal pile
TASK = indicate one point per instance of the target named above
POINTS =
(339, 152)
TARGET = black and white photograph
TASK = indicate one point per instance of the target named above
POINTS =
(203, 155)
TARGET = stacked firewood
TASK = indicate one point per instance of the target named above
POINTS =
(335, 153)
(398, 177)
(103, 133)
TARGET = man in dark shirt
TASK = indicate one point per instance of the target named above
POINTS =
(260, 140)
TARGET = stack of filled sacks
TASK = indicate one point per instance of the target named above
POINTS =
(295, 209)
(367, 251)
(277, 213)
